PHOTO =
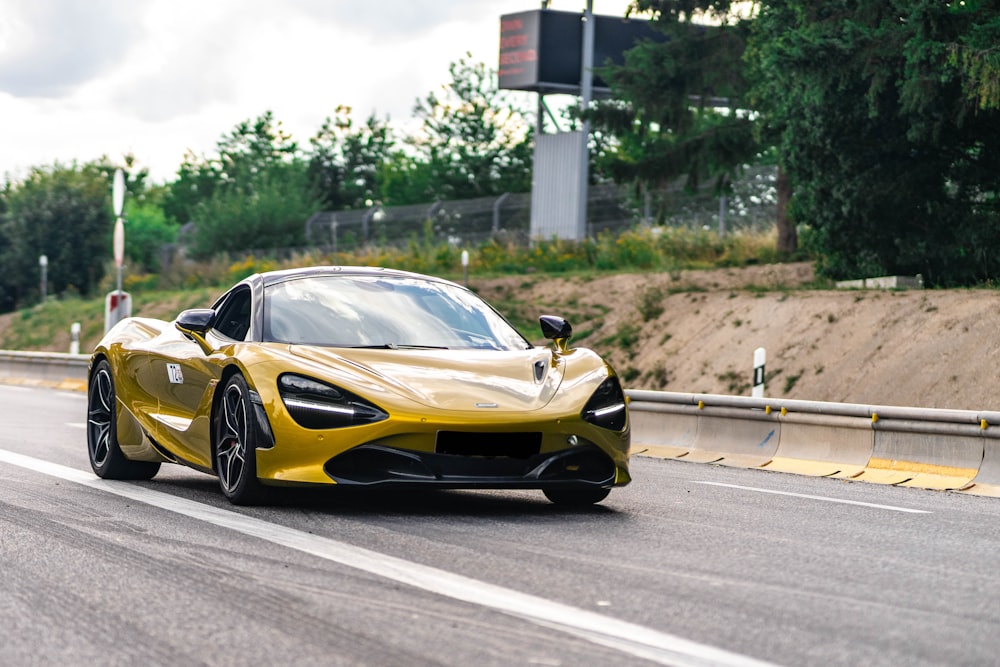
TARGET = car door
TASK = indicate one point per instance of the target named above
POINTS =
(190, 374)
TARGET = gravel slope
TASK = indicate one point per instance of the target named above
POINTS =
(924, 348)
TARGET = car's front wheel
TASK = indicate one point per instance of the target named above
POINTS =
(236, 446)
(106, 457)
(576, 497)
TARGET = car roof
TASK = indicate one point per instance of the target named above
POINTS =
(274, 277)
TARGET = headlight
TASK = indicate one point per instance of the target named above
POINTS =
(606, 407)
(315, 404)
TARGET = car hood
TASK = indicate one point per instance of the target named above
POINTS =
(460, 380)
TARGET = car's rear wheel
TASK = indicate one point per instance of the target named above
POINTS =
(106, 457)
(236, 445)
(576, 497)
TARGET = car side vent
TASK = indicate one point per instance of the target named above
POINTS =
(540, 367)
(510, 445)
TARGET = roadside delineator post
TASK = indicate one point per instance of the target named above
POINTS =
(74, 338)
(759, 357)
(115, 302)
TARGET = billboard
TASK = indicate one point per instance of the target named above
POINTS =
(541, 50)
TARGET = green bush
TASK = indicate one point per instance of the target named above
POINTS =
(268, 214)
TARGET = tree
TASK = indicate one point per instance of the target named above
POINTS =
(664, 122)
(406, 179)
(196, 181)
(274, 216)
(63, 213)
(244, 155)
(890, 168)
(147, 230)
(346, 162)
(251, 149)
(473, 141)
(256, 193)
(976, 54)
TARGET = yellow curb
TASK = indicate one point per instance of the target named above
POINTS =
(990, 490)
(660, 451)
(702, 456)
(72, 385)
(743, 461)
(877, 476)
(68, 384)
(915, 474)
(940, 482)
(813, 468)
(921, 468)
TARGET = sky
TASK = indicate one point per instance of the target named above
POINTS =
(80, 79)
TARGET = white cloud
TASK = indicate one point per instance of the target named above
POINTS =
(49, 47)
(158, 77)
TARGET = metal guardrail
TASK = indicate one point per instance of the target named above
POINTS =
(922, 447)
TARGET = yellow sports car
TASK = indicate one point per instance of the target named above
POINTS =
(357, 376)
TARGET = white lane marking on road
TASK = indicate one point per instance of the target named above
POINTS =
(823, 498)
(610, 632)
(66, 394)
(76, 424)
(11, 387)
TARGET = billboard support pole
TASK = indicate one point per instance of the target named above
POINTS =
(539, 117)
(586, 94)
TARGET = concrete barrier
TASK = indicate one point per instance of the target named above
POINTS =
(686, 428)
(929, 455)
(928, 448)
(669, 430)
(730, 436)
(987, 480)
(823, 445)
(54, 369)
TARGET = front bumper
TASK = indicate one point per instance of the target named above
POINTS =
(372, 464)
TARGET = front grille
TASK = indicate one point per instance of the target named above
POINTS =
(509, 445)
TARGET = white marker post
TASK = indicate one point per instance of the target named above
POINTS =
(116, 308)
(74, 338)
(465, 266)
(43, 262)
(118, 195)
(759, 357)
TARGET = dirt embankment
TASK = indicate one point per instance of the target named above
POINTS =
(696, 332)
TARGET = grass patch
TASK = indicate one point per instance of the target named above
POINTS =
(625, 338)
(650, 303)
(792, 380)
(736, 383)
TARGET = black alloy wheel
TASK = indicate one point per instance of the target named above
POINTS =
(236, 445)
(106, 457)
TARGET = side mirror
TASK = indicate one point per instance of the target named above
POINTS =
(196, 320)
(556, 329)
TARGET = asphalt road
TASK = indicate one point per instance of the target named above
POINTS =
(690, 564)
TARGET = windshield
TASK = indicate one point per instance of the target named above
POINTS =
(383, 311)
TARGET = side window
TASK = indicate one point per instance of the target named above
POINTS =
(233, 320)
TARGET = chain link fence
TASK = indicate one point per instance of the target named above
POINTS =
(751, 206)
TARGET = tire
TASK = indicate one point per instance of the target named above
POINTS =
(576, 497)
(236, 445)
(106, 457)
